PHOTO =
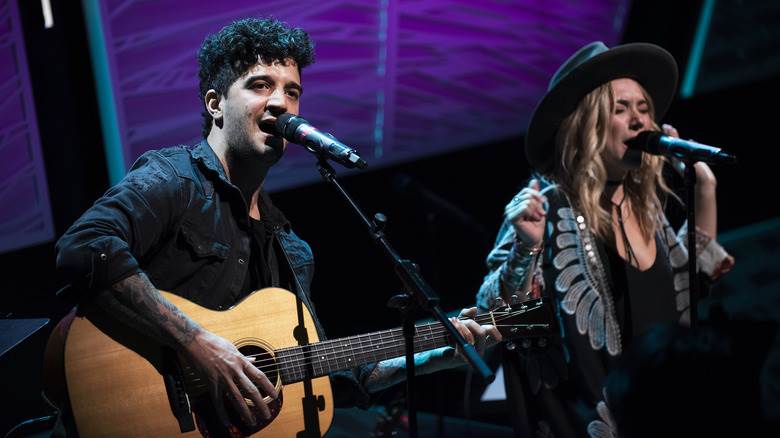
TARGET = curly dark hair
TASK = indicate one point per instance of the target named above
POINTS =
(226, 55)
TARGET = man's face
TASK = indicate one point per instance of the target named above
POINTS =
(630, 116)
(252, 104)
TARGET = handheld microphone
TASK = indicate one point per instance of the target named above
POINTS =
(656, 143)
(297, 130)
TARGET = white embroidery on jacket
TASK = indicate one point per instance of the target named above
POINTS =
(585, 287)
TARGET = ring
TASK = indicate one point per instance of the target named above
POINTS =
(516, 199)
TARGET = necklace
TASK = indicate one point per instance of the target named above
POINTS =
(626, 243)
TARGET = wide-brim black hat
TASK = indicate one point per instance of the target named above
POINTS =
(591, 66)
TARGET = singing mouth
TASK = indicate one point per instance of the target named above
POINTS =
(268, 126)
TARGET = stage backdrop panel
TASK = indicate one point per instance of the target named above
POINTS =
(396, 79)
(25, 212)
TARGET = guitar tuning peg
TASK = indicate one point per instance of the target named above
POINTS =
(514, 299)
(510, 346)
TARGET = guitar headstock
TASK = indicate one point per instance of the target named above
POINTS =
(522, 319)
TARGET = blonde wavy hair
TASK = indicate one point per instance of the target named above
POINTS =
(580, 172)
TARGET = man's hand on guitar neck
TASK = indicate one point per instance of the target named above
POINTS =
(392, 371)
(480, 336)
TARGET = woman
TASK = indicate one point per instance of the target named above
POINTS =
(589, 233)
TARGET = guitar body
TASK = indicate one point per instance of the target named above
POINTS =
(115, 388)
(117, 382)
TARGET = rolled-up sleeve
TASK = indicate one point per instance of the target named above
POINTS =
(508, 268)
(711, 257)
(350, 387)
(104, 245)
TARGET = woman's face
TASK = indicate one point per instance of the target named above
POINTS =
(630, 116)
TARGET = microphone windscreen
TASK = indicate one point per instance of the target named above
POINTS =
(287, 123)
(647, 141)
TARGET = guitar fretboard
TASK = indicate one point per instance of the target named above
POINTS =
(315, 360)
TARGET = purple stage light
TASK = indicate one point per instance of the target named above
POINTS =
(25, 212)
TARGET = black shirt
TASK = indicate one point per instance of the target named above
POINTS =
(263, 268)
(263, 264)
(636, 292)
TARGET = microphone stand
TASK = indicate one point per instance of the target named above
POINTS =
(415, 287)
(693, 280)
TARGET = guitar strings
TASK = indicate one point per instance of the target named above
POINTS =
(295, 368)
(361, 340)
(303, 358)
(306, 354)
(300, 367)
(434, 329)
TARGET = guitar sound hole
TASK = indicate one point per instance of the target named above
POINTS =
(264, 361)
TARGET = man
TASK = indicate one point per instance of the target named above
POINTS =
(195, 221)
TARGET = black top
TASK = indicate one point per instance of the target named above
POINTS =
(263, 268)
(263, 264)
(636, 292)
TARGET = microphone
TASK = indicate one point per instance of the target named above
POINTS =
(656, 143)
(296, 129)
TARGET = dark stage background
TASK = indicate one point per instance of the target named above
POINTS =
(443, 210)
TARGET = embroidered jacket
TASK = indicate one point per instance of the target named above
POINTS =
(563, 377)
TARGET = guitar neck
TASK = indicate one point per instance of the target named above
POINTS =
(318, 359)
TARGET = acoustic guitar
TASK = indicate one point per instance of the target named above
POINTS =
(118, 383)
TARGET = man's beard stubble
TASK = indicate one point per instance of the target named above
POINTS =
(242, 148)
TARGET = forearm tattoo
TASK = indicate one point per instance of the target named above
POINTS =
(386, 373)
(391, 371)
(136, 302)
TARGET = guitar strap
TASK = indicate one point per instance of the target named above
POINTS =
(299, 290)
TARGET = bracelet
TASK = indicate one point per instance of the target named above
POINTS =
(519, 264)
(522, 248)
